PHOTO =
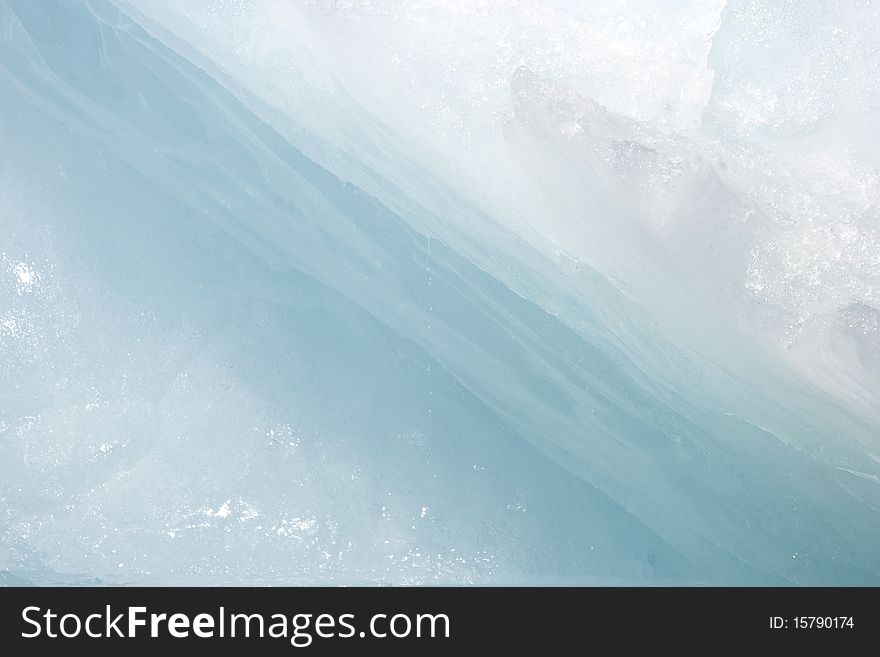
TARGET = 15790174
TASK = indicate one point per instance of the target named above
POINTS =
(812, 622)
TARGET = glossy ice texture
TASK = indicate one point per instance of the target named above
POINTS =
(447, 291)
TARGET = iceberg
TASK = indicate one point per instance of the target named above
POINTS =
(439, 292)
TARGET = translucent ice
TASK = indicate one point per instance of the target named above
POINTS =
(439, 291)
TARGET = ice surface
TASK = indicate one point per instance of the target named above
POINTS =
(419, 292)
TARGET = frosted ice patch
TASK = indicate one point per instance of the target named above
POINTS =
(26, 275)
